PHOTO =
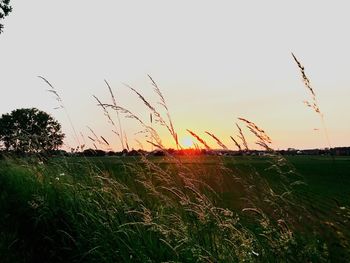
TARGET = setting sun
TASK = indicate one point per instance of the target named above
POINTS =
(187, 142)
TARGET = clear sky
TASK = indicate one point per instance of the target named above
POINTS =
(213, 60)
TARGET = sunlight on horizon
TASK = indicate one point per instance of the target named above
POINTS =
(187, 142)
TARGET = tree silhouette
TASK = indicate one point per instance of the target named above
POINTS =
(5, 9)
(30, 131)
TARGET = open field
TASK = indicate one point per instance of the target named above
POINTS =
(183, 209)
(174, 131)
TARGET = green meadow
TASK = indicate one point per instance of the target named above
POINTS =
(175, 209)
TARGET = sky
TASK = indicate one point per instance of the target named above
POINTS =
(214, 61)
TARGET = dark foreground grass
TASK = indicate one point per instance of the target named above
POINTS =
(187, 209)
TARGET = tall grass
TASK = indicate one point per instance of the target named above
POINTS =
(147, 209)
(148, 213)
(313, 103)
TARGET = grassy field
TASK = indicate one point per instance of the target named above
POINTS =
(176, 209)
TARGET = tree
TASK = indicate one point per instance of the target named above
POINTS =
(30, 131)
(5, 9)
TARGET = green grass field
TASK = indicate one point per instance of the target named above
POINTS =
(183, 209)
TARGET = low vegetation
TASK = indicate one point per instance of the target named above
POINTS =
(189, 209)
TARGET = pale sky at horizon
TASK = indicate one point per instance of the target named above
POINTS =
(213, 60)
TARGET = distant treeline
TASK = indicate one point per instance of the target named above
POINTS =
(337, 151)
